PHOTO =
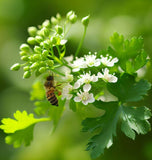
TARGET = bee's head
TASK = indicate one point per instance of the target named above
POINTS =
(50, 78)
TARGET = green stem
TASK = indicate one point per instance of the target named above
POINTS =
(58, 72)
(81, 42)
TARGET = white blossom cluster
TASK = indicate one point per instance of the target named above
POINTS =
(91, 60)
(73, 88)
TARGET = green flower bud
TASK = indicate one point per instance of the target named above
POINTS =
(46, 23)
(37, 49)
(38, 39)
(72, 17)
(50, 63)
(32, 31)
(54, 40)
(58, 16)
(54, 20)
(85, 20)
(42, 69)
(15, 67)
(27, 74)
(25, 47)
(26, 68)
(46, 44)
(45, 53)
(42, 63)
(69, 14)
(25, 58)
(34, 65)
(36, 57)
(23, 53)
(31, 40)
(59, 29)
(37, 73)
(46, 32)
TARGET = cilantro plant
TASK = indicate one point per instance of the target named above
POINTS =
(106, 80)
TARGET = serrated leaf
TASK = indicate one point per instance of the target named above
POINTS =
(135, 119)
(38, 91)
(20, 128)
(20, 137)
(106, 126)
(130, 53)
(128, 90)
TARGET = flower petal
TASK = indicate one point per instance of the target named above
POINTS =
(87, 87)
(77, 99)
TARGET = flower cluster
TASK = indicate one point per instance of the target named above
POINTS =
(39, 53)
(80, 88)
(91, 60)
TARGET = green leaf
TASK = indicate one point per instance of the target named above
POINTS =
(72, 105)
(127, 89)
(38, 92)
(135, 119)
(130, 53)
(20, 129)
(103, 127)
(55, 113)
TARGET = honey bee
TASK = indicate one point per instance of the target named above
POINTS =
(50, 89)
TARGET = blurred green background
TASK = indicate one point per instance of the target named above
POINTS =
(128, 17)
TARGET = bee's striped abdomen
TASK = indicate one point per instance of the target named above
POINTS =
(52, 98)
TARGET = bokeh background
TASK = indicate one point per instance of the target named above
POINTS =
(128, 17)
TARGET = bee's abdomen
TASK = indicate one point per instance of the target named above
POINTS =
(52, 98)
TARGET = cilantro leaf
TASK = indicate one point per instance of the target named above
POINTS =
(135, 119)
(38, 91)
(20, 129)
(104, 127)
(128, 90)
(130, 53)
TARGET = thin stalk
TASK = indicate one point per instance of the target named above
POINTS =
(58, 72)
(81, 42)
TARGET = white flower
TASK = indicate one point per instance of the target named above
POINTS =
(66, 92)
(92, 61)
(63, 41)
(86, 79)
(107, 77)
(77, 64)
(108, 61)
(85, 97)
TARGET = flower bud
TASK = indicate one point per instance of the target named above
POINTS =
(36, 57)
(54, 40)
(34, 65)
(45, 32)
(73, 18)
(23, 53)
(85, 20)
(46, 23)
(46, 44)
(50, 63)
(54, 20)
(58, 16)
(31, 40)
(37, 49)
(38, 39)
(25, 47)
(45, 53)
(27, 74)
(24, 58)
(69, 14)
(42, 69)
(15, 67)
(26, 68)
(32, 31)
(59, 29)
